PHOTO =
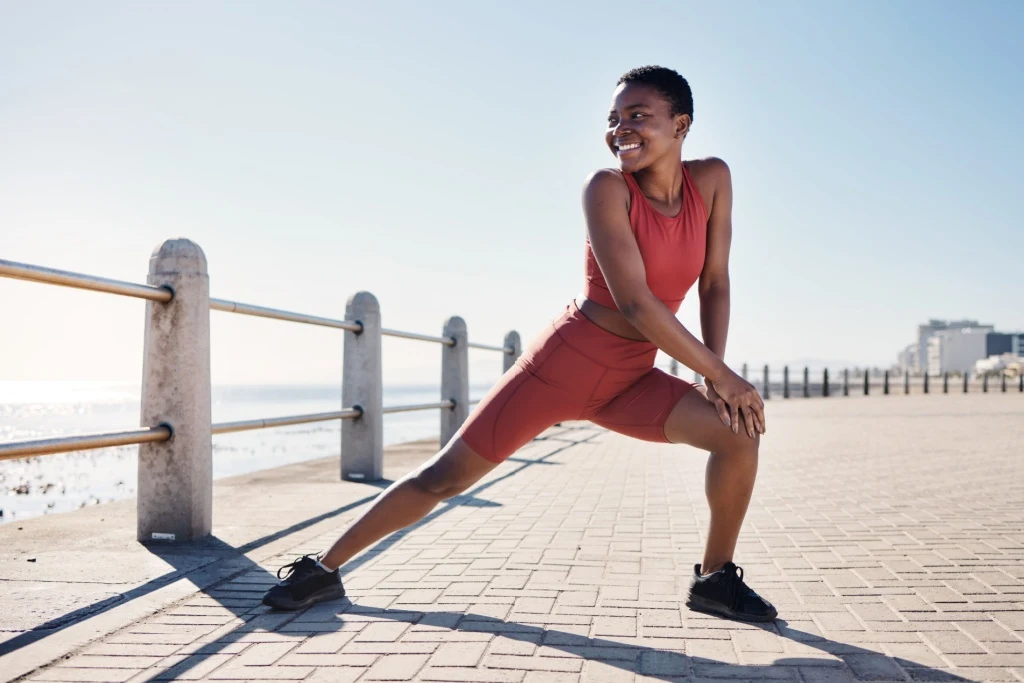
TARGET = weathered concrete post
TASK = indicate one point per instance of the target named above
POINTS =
(807, 382)
(824, 384)
(512, 341)
(362, 439)
(846, 381)
(785, 381)
(175, 486)
(767, 384)
(454, 378)
(906, 382)
(673, 367)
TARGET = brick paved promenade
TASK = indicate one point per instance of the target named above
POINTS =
(889, 532)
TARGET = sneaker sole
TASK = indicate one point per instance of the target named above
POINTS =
(699, 604)
(322, 595)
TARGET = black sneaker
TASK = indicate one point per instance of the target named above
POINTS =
(724, 594)
(305, 584)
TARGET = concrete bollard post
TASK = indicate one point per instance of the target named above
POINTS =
(673, 367)
(1020, 382)
(926, 382)
(885, 384)
(824, 384)
(767, 384)
(175, 501)
(362, 439)
(945, 382)
(984, 383)
(512, 341)
(1004, 382)
(846, 381)
(454, 378)
(906, 382)
(785, 381)
(867, 382)
(966, 380)
(807, 382)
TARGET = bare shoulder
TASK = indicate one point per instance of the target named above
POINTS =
(605, 181)
(710, 170)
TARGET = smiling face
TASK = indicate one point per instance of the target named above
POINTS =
(642, 127)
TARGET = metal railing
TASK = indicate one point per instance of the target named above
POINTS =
(176, 360)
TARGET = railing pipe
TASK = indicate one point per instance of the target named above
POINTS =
(81, 442)
(63, 278)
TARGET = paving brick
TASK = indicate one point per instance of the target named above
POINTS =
(458, 654)
(396, 668)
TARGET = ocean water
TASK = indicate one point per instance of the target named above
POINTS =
(67, 481)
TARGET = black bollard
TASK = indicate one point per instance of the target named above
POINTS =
(867, 383)
(767, 384)
(945, 383)
(906, 382)
(846, 381)
(885, 384)
(965, 381)
(1020, 381)
(744, 371)
(1004, 381)
(926, 382)
(824, 384)
(785, 381)
(807, 382)
(984, 383)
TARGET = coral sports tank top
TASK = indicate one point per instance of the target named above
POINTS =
(672, 247)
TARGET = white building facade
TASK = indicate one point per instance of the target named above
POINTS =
(956, 350)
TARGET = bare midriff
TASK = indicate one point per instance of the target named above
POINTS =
(608, 319)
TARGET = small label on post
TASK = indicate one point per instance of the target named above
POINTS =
(157, 536)
(356, 475)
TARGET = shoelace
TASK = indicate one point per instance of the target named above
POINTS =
(291, 567)
(736, 588)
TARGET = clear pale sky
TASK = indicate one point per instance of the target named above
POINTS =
(433, 153)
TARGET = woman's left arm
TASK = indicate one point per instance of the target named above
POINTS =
(714, 278)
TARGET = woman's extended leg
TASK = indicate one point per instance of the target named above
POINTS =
(453, 470)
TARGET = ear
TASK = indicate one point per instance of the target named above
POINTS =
(682, 125)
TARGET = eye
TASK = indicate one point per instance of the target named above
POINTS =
(637, 115)
(612, 120)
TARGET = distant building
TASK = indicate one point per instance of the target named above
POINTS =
(930, 329)
(956, 349)
(907, 360)
(999, 343)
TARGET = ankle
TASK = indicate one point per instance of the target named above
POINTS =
(711, 567)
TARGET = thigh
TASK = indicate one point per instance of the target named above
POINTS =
(695, 422)
(642, 410)
(540, 390)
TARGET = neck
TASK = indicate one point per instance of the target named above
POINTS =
(662, 180)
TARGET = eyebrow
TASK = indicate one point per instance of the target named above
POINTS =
(632, 106)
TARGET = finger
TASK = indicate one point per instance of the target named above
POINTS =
(723, 412)
(757, 425)
(748, 419)
(735, 416)
(760, 416)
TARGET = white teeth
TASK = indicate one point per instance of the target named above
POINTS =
(626, 148)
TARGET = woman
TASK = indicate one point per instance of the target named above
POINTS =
(655, 226)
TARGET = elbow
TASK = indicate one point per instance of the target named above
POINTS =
(717, 287)
(632, 310)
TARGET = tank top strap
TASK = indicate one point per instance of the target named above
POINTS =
(694, 191)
